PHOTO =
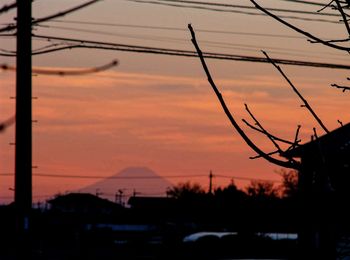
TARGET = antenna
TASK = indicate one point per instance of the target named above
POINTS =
(211, 182)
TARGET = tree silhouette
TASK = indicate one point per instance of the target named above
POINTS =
(185, 190)
(262, 189)
(314, 225)
(289, 186)
(281, 146)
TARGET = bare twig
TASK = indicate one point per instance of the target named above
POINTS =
(296, 139)
(271, 135)
(335, 40)
(7, 8)
(307, 34)
(50, 17)
(7, 123)
(341, 11)
(326, 6)
(306, 104)
(264, 131)
(343, 88)
(340, 122)
(63, 13)
(315, 132)
(56, 72)
(259, 156)
(228, 113)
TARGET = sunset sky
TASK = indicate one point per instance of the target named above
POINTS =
(159, 111)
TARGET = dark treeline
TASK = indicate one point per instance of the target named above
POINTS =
(85, 226)
(261, 206)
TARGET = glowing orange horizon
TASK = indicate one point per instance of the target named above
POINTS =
(102, 123)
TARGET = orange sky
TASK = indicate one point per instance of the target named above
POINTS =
(159, 111)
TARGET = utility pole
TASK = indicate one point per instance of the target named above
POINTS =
(211, 182)
(23, 151)
(119, 197)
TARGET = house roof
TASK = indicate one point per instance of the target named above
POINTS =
(332, 143)
(81, 199)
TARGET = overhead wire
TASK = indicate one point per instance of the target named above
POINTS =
(180, 176)
(305, 2)
(247, 7)
(176, 52)
(8, 7)
(232, 11)
(11, 27)
(246, 47)
(170, 28)
(219, 176)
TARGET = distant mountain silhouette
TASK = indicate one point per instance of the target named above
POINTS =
(139, 180)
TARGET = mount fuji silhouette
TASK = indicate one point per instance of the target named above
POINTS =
(131, 181)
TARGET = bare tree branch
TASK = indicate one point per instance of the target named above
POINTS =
(271, 135)
(296, 139)
(335, 40)
(7, 123)
(307, 34)
(63, 13)
(50, 17)
(315, 132)
(326, 6)
(306, 104)
(259, 156)
(343, 88)
(264, 131)
(286, 164)
(272, 139)
(341, 11)
(66, 72)
(7, 8)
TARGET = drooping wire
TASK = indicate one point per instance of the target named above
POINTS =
(80, 43)
(70, 72)
(169, 28)
(232, 11)
(246, 47)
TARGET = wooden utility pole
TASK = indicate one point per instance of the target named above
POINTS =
(23, 151)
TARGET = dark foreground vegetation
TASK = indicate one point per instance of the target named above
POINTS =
(189, 223)
(236, 225)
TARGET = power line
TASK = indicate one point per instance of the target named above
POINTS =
(6, 123)
(169, 28)
(245, 47)
(7, 8)
(11, 27)
(117, 177)
(156, 38)
(132, 36)
(246, 178)
(175, 52)
(231, 11)
(71, 176)
(245, 7)
(305, 2)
